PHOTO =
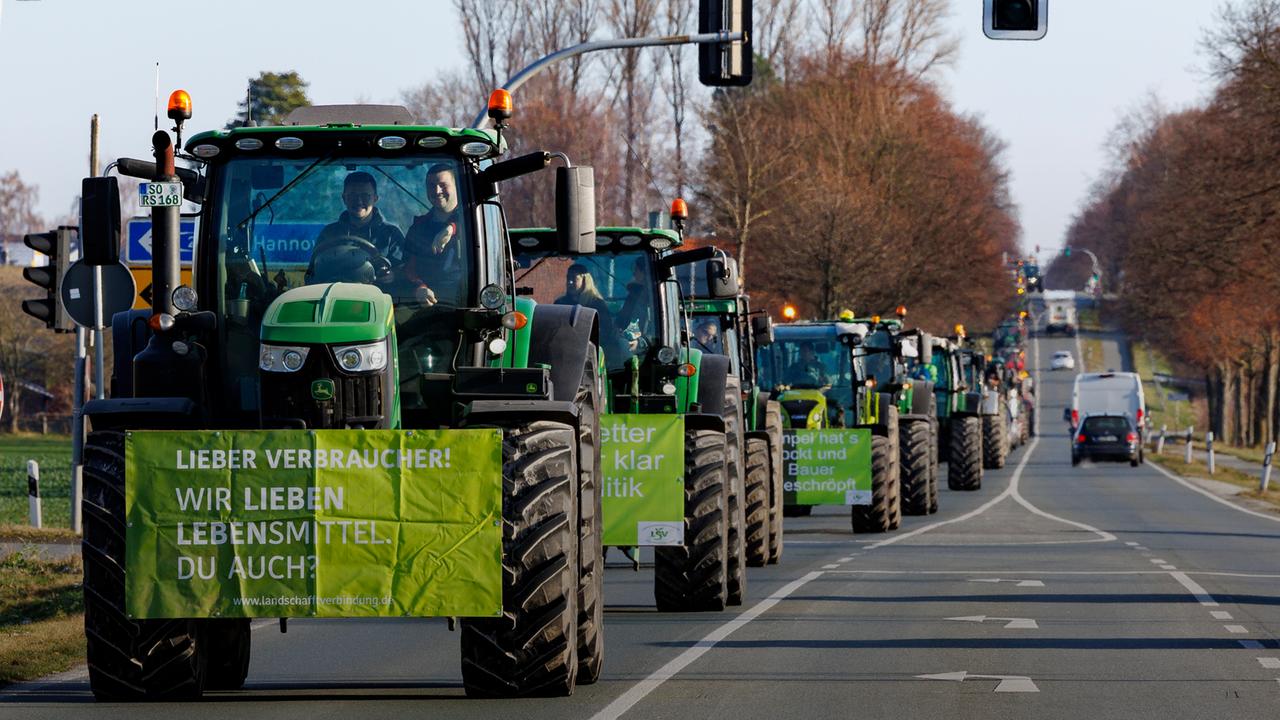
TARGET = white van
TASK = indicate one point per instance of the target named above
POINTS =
(1109, 393)
(1061, 318)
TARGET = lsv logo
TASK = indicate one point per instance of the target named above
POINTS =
(658, 534)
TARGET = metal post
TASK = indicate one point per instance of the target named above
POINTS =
(1189, 430)
(77, 428)
(33, 494)
(1208, 442)
(1266, 466)
(1164, 429)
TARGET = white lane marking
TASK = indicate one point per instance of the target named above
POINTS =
(1004, 572)
(1236, 629)
(1008, 683)
(1211, 496)
(1202, 596)
(1020, 583)
(627, 700)
(846, 559)
(1221, 615)
(1158, 561)
(1264, 576)
(1250, 644)
(1168, 567)
(1130, 543)
(830, 567)
(1103, 535)
(1010, 623)
(1269, 663)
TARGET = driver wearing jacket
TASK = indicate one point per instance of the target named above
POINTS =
(362, 221)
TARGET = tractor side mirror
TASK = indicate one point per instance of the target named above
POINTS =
(100, 220)
(762, 330)
(926, 348)
(576, 209)
(722, 278)
(909, 347)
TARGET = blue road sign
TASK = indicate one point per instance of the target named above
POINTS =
(138, 249)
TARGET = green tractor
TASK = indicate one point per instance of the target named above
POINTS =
(650, 369)
(818, 373)
(729, 327)
(959, 408)
(898, 360)
(305, 322)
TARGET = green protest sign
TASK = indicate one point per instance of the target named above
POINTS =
(324, 523)
(826, 467)
(642, 459)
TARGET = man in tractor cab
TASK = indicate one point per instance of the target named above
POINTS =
(707, 336)
(433, 264)
(362, 219)
(808, 371)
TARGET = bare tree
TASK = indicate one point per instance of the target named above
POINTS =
(678, 16)
(774, 24)
(17, 206)
(633, 18)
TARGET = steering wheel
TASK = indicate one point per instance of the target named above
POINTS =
(345, 258)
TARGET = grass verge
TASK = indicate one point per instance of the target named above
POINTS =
(41, 617)
(53, 452)
(1198, 469)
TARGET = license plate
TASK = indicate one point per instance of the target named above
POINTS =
(159, 194)
(1107, 438)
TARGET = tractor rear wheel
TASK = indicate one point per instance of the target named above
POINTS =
(995, 446)
(533, 648)
(128, 660)
(590, 549)
(737, 491)
(758, 553)
(877, 517)
(915, 465)
(694, 576)
(773, 425)
(964, 469)
(933, 466)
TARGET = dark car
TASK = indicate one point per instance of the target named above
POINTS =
(1105, 437)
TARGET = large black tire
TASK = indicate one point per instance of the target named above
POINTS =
(694, 576)
(915, 462)
(590, 531)
(533, 648)
(964, 470)
(736, 467)
(933, 466)
(878, 516)
(758, 553)
(773, 425)
(128, 660)
(227, 643)
(995, 446)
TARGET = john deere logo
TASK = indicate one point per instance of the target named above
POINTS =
(531, 388)
(322, 389)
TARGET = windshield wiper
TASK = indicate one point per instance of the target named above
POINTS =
(287, 187)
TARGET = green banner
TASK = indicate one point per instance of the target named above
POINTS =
(323, 523)
(642, 460)
(826, 467)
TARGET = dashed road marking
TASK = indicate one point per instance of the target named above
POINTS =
(1130, 543)
(1236, 629)
(830, 567)
(1168, 567)
(1159, 561)
(1269, 663)
(1220, 615)
(1201, 595)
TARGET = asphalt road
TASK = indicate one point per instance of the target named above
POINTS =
(1101, 591)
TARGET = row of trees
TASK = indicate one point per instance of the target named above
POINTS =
(1188, 221)
(840, 177)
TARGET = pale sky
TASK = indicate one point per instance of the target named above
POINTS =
(1053, 101)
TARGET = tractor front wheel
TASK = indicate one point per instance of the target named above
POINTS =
(694, 576)
(878, 516)
(964, 468)
(758, 553)
(773, 425)
(915, 465)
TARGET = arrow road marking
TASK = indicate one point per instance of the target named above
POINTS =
(1020, 583)
(1008, 683)
(1011, 623)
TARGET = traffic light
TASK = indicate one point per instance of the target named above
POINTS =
(725, 64)
(1015, 19)
(56, 245)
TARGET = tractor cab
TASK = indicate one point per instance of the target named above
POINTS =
(810, 368)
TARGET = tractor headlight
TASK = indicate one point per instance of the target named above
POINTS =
(282, 358)
(361, 358)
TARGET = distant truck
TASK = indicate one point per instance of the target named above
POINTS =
(1109, 393)
(1061, 318)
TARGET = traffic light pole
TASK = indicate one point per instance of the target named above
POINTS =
(483, 121)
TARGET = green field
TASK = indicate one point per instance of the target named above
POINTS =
(53, 452)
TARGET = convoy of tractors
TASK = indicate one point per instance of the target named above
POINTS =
(496, 408)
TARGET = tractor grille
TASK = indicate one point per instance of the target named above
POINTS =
(798, 411)
(357, 399)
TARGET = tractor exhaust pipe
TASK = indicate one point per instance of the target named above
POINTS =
(165, 223)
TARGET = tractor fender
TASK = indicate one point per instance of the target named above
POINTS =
(559, 339)
(703, 421)
(129, 335)
(713, 377)
(142, 413)
(922, 399)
